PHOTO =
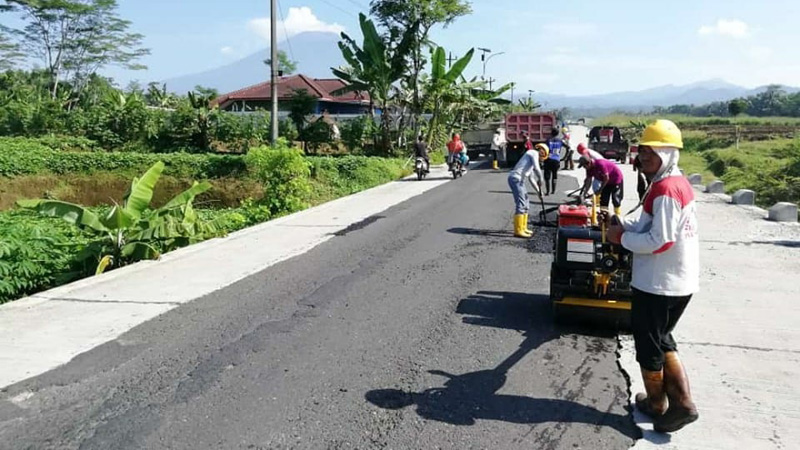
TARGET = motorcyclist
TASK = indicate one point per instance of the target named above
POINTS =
(457, 149)
(421, 151)
(527, 168)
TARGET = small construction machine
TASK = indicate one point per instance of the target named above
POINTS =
(589, 277)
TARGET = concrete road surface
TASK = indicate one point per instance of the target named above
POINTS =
(428, 326)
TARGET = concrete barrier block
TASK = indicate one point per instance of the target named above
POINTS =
(716, 187)
(695, 178)
(783, 212)
(744, 197)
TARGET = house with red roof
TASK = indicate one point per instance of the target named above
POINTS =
(258, 97)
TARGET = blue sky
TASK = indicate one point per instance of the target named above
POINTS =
(573, 47)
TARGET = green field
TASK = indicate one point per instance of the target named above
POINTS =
(767, 159)
(38, 253)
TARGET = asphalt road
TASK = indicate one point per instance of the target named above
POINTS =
(428, 326)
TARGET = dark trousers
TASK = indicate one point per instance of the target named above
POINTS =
(612, 192)
(653, 317)
(551, 167)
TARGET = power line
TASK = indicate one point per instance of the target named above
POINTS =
(359, 5)
(286, 33)
(349, 13)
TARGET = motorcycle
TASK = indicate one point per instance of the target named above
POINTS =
(420, 168)
(456, 167)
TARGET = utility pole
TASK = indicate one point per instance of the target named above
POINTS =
(451, 59)
(273, 19)
(491, 81)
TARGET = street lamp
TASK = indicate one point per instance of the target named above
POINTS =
(485, 60)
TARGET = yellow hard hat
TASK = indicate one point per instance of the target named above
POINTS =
(662, 133)
(543, 151)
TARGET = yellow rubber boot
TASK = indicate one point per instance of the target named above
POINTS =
(618, 212)
(519, 226)
(494, 165)
(525, 225)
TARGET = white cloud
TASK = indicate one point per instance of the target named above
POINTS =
(760, 53)
(730, 28)
(569, 30)
(298, 20)
(226, 50)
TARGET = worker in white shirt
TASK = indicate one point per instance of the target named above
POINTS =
(666, 271)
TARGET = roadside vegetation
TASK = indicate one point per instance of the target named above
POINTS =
(94, 176)
(757, 153)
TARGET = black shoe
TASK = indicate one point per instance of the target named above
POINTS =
(674, 419)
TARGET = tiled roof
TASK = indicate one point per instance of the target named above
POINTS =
(317, 88)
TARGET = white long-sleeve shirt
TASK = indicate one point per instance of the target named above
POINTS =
(528, 167)
(664, 240)
(497, 142)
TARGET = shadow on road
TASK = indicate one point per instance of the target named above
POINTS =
(468, 397)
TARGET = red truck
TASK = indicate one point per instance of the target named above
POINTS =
(537, 125)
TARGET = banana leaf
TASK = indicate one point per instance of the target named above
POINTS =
(69, 212)
(139, 195)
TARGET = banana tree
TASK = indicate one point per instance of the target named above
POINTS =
(132, 231)
(442, 84)
(373, 67)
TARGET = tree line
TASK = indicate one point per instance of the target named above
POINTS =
(773, 101)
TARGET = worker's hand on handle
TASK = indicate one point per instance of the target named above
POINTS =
(614, 234)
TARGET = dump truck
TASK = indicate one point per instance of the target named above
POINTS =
(479, 140)
(537, 125)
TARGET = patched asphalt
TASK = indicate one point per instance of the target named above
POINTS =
(426, 326)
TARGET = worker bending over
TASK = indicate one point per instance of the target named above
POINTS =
(583, 150)
(664, 241)
(611, 182)
(526, 168)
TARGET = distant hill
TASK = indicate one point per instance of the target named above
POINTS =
(699, 93)
(315, 53)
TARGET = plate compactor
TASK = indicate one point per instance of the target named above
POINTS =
(590, 277)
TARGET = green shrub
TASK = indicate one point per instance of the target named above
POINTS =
(22, 156)
(350, 174)
(284, 172)
(36, 254)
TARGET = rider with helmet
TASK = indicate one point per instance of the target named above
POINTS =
(457, 149)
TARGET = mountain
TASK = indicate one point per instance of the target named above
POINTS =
(314, 52)
(699, 93)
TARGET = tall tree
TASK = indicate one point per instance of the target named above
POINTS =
(9, 52)
(285, 65)
(76, 38)
(737, 106)
(418, 17)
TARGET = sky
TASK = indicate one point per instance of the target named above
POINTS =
(575, 47)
